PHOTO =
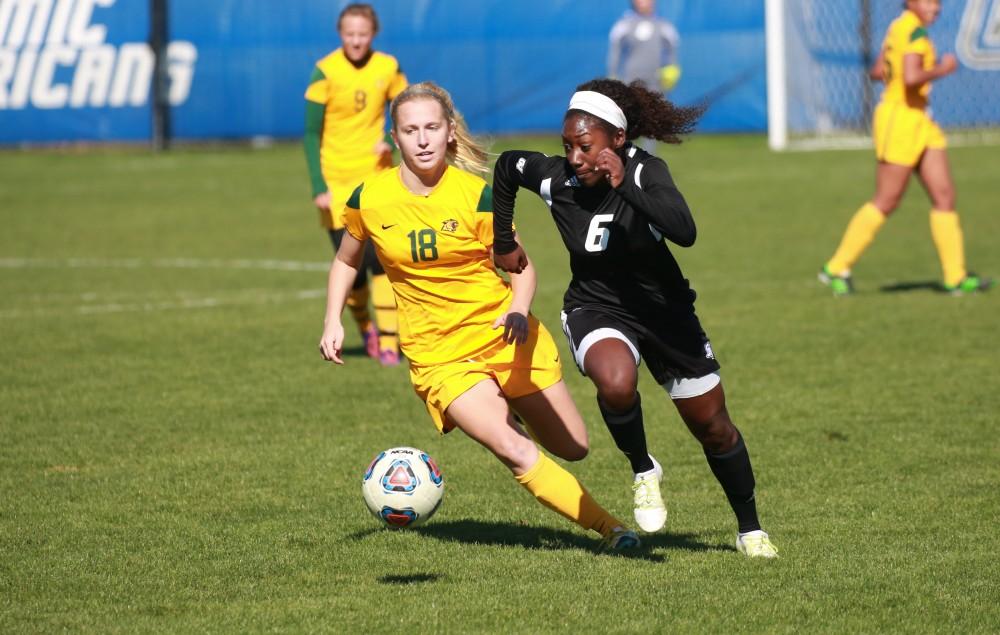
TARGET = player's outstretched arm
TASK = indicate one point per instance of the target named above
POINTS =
(343, 271)
(513, 169)
(515, 319)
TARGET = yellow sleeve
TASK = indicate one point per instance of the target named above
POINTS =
(352, 215)
(318, 90)
(397, 84)
(917, 42)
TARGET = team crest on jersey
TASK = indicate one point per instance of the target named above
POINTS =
(708, 351)
(520, 165)
(572, 182)
(450, 225)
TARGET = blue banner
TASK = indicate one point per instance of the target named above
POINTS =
(81, 70)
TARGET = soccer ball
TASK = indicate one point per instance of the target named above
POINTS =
(403, 487)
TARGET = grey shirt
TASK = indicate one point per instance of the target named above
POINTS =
(639, 46)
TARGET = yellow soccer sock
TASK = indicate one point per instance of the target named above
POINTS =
(947, 234)
(859, 234)
(559, 490)
(385, 312)
(357, 302)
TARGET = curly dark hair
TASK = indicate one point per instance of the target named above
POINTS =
(649, 113)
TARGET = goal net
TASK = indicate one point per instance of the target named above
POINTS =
(819, 53)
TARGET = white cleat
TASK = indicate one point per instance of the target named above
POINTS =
(756, 544)
(650, 512)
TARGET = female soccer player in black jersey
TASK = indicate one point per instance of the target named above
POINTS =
(614, 204)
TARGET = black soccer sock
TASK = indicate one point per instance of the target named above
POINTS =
(733, 471)
(629, 435)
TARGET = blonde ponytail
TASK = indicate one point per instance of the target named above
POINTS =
(465, 152)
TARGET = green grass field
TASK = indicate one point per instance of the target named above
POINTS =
(175, 457)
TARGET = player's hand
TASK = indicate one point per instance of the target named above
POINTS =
(949, 64)
(331, 344)
(611, 165)
(514, 262)
(382, 149)
(322, 202)
(515, 327)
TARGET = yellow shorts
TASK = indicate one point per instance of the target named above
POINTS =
(901, 134)
(518, 370)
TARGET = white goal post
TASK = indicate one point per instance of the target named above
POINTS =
(819, 52)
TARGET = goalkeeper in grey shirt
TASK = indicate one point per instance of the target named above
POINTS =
(643, 47)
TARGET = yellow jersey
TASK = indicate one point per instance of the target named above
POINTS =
(354, 119)
(436, 251)
(907, 35)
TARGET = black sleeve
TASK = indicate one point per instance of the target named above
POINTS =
(514, 169)
(650, 189)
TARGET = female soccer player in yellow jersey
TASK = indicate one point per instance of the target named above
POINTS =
(344, 144)
(431, 223)
(907, 139)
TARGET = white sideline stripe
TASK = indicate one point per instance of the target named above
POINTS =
(160, 263)
(147, 307)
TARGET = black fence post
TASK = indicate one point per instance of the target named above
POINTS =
(158, 41)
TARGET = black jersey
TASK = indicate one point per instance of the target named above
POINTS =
(615, 236)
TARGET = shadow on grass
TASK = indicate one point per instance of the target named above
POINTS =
(920, 285)
(354, 351)
(415, 578)
(475, 532)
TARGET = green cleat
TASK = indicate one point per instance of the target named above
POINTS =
(970, 284)
(620, 539)
(649, 511)
(840, 284)
(756, 544)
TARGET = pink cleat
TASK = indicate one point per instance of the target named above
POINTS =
(389, 357)
(370, 339)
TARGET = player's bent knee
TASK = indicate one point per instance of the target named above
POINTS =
(574, 452)
(617, 393)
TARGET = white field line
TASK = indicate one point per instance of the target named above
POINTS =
(149, 306)
(160, 263)
(243, 298)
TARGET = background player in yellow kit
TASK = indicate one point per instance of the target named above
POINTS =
(344, 144)
(907, 139)
(432, 227)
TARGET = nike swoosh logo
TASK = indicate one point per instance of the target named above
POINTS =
(389, 226)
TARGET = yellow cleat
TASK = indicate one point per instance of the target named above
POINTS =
(756, 544)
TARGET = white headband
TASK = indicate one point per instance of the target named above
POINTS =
(600, 106)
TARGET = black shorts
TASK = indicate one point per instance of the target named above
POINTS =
(675, 347)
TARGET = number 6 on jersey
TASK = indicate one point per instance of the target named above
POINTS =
(597, 235)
